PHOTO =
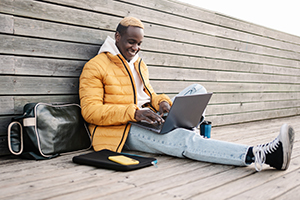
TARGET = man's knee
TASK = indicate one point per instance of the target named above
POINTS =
(200, 88)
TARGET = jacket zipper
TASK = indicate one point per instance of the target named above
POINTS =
(134, 100)
(122, 137)
(139, 67)
(94, 133)
(134, 95)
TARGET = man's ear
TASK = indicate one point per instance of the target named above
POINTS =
(117, 36)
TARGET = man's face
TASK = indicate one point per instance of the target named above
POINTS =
(129, 43)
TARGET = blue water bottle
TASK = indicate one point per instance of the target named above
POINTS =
(205, 129)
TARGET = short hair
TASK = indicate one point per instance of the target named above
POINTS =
(129, 21)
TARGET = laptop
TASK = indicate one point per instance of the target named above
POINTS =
(186, 112)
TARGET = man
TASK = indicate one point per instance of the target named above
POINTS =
(115, 89)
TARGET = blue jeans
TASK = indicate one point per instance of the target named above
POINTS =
(186, 143)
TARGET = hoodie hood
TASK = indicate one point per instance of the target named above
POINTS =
(109, 45)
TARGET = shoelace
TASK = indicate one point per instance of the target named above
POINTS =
(260, 152)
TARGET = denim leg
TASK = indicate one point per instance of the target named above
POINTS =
(185, 143)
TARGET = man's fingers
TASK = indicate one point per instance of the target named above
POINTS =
(152, 116)
(149, 116)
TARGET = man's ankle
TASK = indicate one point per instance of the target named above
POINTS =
(249, 156)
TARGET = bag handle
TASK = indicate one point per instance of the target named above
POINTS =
(9, 138)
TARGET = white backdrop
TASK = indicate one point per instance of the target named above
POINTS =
(281, 15)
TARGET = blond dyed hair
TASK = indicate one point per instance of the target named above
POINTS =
(129, 21)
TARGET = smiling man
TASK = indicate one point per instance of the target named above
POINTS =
(115, 89)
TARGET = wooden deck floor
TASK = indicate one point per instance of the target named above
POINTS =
(174, 178)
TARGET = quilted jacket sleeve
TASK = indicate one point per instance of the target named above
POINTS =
(157, 98)
(91, 93)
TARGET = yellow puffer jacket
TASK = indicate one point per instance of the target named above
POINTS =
(108, 98)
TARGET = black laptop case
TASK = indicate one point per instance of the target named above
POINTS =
(100, 159)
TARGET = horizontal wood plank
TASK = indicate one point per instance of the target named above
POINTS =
(225, 109)
(6, 105)
(223, 87)
(20, 101)
(236, 118)
(7, 64)
(38, 85)
(48, 48)
(242, 98)
(21, 65)
(186, 74)
(6, 23)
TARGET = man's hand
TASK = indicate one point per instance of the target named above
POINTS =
(164, 107)
(149, 116)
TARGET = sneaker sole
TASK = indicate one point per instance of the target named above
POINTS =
(287, 138)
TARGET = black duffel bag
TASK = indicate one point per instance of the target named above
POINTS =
(46, 130)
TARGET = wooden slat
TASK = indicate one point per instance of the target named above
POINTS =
(20, 65)
(252, 116)
(222, 87)
(6, 105)
(48, 67)
(7, 65)
(189, 74)
(20, 101)
(242, 98)
(38, 85)
(40, 47)
(225, 109)
(6, 23)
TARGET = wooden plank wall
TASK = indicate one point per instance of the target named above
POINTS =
(253, 71)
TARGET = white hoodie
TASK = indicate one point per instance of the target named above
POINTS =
(110, 46)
